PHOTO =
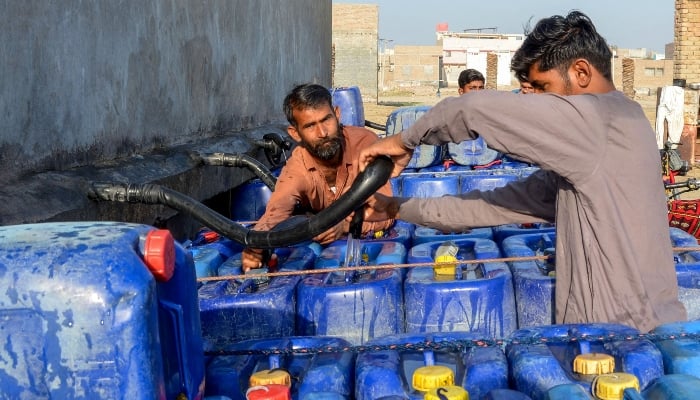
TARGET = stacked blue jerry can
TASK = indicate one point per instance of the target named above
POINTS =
(406, 366)
(472, 152)
(400, 232)
(401, 119)
(207, 260)
(673, 387)
(543, 357)
(429, 185)
(445, 166)
(289, 361)
(250, 199)
(472, 297)
(509, 163)
(349, 100)
(396, 185)
(622, 385)
(533, 279)
(206, 238)
(505, 394)
(681, 354)
(687, 271)
(423, 234)
(681, 238)
(500, 232)
(484, 181)
(353, 305)
(98, 310)
(255, 307)
(374, 252)
(568, 391)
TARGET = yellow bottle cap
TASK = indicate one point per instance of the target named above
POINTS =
(432, 377)
(445, 265)
(447, 393)
(270, 377)
(594, 364)
(612, 386)
(378, 234)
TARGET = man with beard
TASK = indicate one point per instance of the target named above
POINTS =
(320, 169)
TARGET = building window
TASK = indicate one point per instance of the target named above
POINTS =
(658, 72)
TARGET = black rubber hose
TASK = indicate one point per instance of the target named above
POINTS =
(274, 145)
(375, 125)
(358, 219)
(240, 160)
(366, 184)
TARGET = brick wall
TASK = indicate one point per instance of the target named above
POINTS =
(410, 66)
(491, 71)
(687, 41)
(687, 66)
(642, 77)
(355, 40)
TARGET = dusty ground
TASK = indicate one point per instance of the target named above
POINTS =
(389, 101)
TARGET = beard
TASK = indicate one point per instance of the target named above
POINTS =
(328, 148)
(568, 89)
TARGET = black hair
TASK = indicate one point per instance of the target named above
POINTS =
(306, 95)
(469, 75)
(557, 41)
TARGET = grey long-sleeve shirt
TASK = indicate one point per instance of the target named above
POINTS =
(600, 181)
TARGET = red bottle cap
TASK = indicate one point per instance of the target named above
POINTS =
(272, 263)
(268, 392)
(159, 254)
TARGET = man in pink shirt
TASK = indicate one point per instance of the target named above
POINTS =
(320, 169)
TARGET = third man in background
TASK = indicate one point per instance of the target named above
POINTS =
(469, 80)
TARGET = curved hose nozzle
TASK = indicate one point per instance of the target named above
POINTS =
(241, 160)
(275, 146)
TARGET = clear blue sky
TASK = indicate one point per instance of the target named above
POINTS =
(623, 23)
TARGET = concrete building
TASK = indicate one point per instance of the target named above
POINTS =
(128, 91)
(425, 68)
(462, 50)
(642, 52)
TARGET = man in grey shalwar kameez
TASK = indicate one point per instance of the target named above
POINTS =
(600, 177)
